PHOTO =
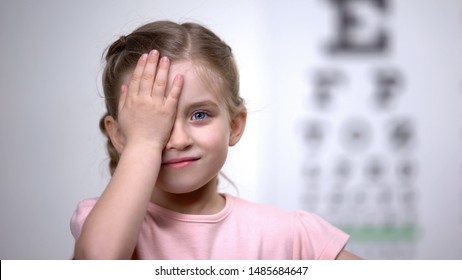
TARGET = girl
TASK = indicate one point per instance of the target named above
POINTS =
(173, 109)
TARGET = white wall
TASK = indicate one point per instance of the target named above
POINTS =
(52, 153)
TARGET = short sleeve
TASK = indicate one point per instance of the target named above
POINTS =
(315, 238)
(80, 215)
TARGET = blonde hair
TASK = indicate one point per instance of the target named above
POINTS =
(187, 41)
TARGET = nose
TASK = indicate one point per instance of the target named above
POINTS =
(180, 138)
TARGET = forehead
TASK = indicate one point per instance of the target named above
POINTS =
(200, 82)
(198, 74)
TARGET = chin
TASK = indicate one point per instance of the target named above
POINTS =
(187, 181)
(186, 187)
(179, 189)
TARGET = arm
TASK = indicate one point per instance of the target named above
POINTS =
(345, 255)
(145, 121)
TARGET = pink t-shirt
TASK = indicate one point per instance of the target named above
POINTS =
(242, 230)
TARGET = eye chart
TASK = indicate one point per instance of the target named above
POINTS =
(369, 121)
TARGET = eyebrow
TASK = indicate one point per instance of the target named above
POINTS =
(206, 103)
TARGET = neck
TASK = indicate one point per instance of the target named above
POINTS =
(203, 201)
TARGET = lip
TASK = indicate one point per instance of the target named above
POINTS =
(179, 162)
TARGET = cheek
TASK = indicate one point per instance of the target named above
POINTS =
(215, 140)
(214, 137)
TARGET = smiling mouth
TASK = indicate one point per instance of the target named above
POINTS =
(179, 163)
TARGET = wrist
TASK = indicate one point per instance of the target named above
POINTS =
(142, 150)
(139, 159)
(143, 146)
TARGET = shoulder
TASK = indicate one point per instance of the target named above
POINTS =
(243, 204)
(258, 210)
(315, 235)
(80, 215)
(311, 236)
(261, 215)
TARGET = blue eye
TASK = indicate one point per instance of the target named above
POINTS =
(199, 116)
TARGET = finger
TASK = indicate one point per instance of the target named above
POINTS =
(173, 96)
(160, 83)
(149, 73)
(123, 96)
(134, 84)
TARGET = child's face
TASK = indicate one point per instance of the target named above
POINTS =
(201, 135)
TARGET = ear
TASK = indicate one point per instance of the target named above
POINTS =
(237, 127)
(114, 133)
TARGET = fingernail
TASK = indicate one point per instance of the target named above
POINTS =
(144, 56)
(154, 53)
(165, 60)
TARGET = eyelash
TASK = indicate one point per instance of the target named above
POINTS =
(204, 115)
